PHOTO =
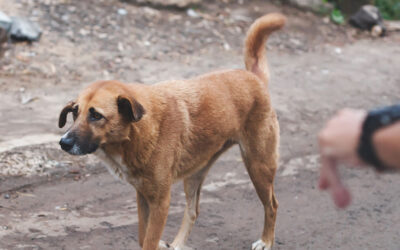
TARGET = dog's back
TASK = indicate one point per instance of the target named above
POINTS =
(212, 109)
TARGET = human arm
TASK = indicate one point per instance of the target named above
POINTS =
(387, 145)
(339, 143)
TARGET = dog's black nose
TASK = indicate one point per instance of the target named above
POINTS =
(67, 143)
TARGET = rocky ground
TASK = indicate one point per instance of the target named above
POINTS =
(50, 200)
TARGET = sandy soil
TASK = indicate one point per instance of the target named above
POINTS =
(50, 200)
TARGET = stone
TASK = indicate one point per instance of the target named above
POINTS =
(313, 5)
(192, 13)
(5, 21)
(177, 3)
(24, 30)
(366, 18)
(122, 12)
(5, 25)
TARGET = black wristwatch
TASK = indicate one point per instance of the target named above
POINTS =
(375, 120)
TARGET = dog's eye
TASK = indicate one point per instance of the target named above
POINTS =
(94, 116)
(75, 112)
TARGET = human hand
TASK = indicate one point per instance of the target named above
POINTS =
(338, 143)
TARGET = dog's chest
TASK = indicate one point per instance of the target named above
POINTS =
(117, 167)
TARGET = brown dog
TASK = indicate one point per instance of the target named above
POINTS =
(152, 136)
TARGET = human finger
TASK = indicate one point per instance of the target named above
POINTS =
(330, 179)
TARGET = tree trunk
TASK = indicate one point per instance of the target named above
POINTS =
(350, 7)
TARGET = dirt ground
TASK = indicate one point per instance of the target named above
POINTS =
(50, 200)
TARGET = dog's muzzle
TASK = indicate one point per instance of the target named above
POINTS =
(72, 144)
(67, 143)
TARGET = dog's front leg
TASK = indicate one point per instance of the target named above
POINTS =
(157, 218)
(143, 215)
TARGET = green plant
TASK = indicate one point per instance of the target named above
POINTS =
(337, 16)
(390, 9)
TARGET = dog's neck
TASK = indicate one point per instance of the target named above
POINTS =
(137, 150)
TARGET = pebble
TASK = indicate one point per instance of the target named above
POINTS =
(122, 12)
(102, 35)
(5, 21)
(65, 18)
(192, 13)
(227, 46)
(150, 12)
(24, 30)
(295, 41)
(84, 32)
(7, 196)
(71, 8)
(325, 71)
(120, 47)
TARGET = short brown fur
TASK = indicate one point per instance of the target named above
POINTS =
(184, 127)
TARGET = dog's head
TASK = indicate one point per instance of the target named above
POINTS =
(102, 114)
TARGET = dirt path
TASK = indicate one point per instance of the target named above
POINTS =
(72, 203)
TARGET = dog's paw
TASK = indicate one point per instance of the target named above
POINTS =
(162, 245)
(260, 245)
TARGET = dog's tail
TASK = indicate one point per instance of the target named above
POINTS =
(254, 54)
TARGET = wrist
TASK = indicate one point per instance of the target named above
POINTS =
(371, 146)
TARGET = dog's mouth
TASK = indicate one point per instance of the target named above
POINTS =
(77, 150)
(72, 144)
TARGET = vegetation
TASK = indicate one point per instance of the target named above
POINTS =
(337, 16)
(390, 9)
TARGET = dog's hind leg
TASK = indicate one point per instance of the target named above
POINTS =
(192, 187)
(259, 147)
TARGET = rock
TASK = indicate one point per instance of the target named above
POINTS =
(392, 25)
(84, 32)
(151, 12)
(5, 21)
(177, 3)
(24, 30)
(377, 31)
(227, 47)
(122, 12)
(5, 25)
(366, 18)
(314, 5)
(3, 39)
(192, 13)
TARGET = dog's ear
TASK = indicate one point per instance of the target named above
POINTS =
(63, 115)
(130, 109)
